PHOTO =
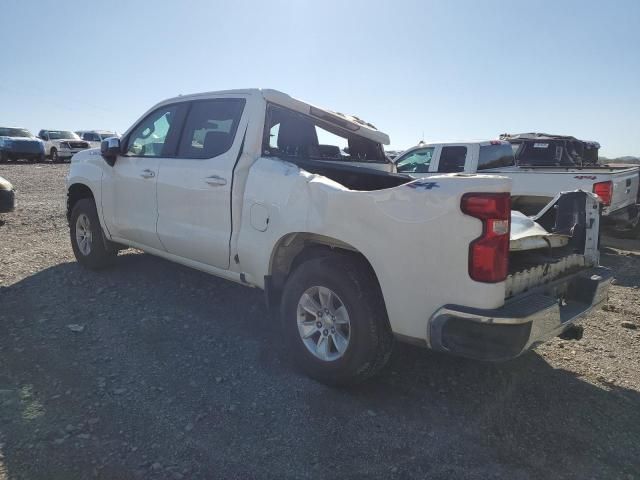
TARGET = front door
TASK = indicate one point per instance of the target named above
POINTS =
(129, 188)
(194, 187)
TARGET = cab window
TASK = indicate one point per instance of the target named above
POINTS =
(495, 155)
(150, 137)
(210, 127)
(452, 159)
(417, 161)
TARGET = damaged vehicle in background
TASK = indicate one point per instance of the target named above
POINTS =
(349, 255)
(20, 144)
(568, 163)
(533, 187)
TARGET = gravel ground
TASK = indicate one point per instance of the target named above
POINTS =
(169, 373)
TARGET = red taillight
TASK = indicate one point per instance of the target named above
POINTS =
(604, 190)
(489, 253)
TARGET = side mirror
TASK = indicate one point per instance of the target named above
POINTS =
(110, 149)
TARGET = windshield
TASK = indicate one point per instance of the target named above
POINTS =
(495, 155)
(15, 132)
(417, 161)
(105, 135)
(62, 134)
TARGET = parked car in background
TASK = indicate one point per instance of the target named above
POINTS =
(252, 186)
(7, 196)
(95, 137)
(18, 144)
(60, 145)
(533, 187)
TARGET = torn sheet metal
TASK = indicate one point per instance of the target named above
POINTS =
(526, 234)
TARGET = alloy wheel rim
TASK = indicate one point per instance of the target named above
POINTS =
(83, 234)
(323, 323)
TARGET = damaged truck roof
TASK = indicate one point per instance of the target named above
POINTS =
(349, 122)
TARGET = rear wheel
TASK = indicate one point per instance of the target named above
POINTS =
(335, 321)
(90, 247)
(632, 233)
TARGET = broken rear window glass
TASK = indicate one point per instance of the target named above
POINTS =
(293, 135)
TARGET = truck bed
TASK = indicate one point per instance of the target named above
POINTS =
(533, 187)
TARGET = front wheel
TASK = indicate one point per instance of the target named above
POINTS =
(54, 155)
(335, 320)
(90, 247)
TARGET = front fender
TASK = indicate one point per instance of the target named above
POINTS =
(87, 168)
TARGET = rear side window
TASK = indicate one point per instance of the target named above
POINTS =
(495, 156)
(452, 159)
(210, 127)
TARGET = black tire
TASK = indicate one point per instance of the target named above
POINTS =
(54, 155)
(371, 340)
(100, 253)
(632, 233)
(3, 157)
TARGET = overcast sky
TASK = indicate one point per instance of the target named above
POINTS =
(443, 69)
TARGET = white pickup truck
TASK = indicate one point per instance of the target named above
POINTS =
(243, 184)
(532, 186)
(61, 145)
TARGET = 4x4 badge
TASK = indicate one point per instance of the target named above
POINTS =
(423, 185)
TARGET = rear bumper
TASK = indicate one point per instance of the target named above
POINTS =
(7, 200)
(523, 322)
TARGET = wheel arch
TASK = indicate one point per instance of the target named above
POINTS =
(296, 248)
(75, 193)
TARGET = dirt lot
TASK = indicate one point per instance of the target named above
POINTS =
(176, 374)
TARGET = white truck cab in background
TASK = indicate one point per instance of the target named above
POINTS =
(95, 137)
(271, 192)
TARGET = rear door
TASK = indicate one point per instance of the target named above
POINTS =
(194, 187)
(129, 188)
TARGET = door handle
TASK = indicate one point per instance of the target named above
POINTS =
(146, 173)
(215, 181)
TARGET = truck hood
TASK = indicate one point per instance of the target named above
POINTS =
(21, 139)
